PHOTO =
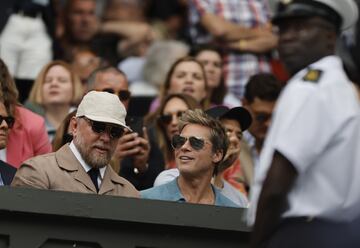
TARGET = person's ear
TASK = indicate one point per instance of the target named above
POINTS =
(73, 125)
(217, 156)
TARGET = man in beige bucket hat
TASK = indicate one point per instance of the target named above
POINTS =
(83, 165)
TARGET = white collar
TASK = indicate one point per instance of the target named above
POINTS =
(82, 162)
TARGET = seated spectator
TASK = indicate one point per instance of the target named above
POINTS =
(137, 157)
(199, 149)
(57, 90)
(109, 37)
(261, 93)
(243, 29)
(187, 76)
(7, 171)
(83, 165)
(211, 59)
(166, 123)
(28, 137)
(79, 25)
(234, 121)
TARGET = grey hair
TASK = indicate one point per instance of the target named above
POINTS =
(160, 56)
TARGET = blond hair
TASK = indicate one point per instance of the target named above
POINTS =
(218, 137)
(36, 90)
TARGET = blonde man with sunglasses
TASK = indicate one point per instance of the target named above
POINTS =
(83, 165)
(199, 148)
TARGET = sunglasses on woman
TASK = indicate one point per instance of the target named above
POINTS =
(122, 94)
(8, 119)
(178, 141)
(101, 127)
(168, 118)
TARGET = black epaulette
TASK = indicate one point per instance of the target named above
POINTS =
(313, 75)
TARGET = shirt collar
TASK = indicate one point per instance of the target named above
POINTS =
(82, 162)
(175, 192)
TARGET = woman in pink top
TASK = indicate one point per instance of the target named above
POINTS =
(28, 137)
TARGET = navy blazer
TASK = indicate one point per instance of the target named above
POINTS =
(7, 172)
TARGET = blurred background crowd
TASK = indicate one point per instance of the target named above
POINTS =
(161, 57)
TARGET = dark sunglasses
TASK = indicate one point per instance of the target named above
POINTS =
(167, 119)
(122, 94)
(8, 119)
(178, 141)
(262, 117)
(100, 127)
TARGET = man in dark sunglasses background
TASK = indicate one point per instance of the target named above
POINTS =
(199, 149)
(138, 158)
(261, 93)
(83, 165)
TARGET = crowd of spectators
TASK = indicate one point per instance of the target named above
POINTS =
(167, 99)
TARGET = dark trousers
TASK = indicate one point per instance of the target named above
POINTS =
(302, 233)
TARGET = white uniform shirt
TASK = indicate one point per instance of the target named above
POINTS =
(316, 127)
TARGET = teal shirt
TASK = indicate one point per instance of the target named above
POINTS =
(171, 192)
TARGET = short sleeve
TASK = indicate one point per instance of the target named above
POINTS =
(303, 126)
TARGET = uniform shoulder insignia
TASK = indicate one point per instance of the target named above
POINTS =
(312, 76)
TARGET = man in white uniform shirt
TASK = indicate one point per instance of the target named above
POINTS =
(307, 188)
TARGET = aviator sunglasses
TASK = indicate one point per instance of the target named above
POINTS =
(8, 119)
(168, 118)
(178, 141)
(100, 127)
(122, 94)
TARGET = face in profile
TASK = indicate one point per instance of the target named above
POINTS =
(261, 112)
(188, 78)
(95, 148)
(57, 86)
(212, 63)
(173, 109)
(234, 133)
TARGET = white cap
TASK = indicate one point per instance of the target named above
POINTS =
(103, 107)
(346, 9)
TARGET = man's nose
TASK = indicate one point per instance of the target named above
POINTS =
(105, 136)
(186, 146)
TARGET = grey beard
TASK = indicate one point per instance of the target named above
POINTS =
(90, 158)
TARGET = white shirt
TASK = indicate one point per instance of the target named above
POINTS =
(316, 127)
(3, 154)
(85, 165)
